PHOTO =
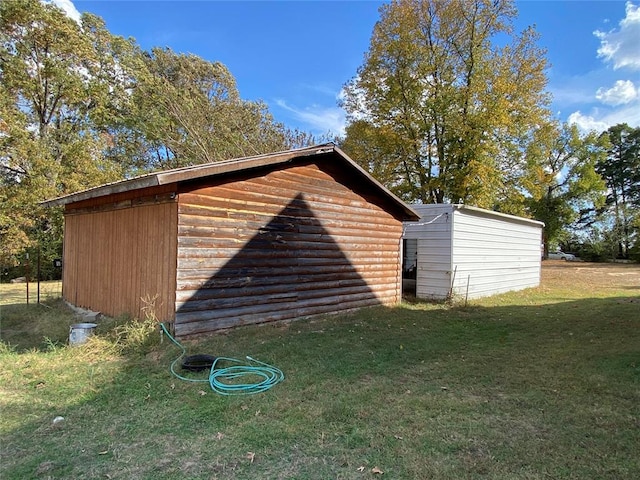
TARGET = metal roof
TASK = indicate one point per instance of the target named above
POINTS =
(506, 216)
(227, 166)
(483, 211)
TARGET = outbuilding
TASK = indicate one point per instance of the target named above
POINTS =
(459, 251)
(257, 239)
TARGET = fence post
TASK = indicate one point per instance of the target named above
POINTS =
(26, 275)
(38, 274)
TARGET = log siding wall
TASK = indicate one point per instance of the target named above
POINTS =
(285, 244)
(116, 258)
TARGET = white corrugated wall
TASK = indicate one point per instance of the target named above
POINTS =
(433, 235)
(468, 252)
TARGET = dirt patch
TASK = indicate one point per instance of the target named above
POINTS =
(555, 273)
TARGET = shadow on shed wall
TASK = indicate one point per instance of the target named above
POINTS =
(291, 268)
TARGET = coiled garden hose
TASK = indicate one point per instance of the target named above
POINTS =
(223, 379)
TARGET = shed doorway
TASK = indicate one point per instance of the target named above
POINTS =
(409, 266)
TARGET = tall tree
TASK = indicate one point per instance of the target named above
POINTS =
(189, 111)
(621, 172)
(80, 107)
(442, 102)
(562, 185)
(51, 96)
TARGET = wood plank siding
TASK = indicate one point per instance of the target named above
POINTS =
(121, 253)
(285, 243)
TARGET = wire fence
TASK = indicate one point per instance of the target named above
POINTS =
(30, 293)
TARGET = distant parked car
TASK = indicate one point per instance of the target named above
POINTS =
(561, 256)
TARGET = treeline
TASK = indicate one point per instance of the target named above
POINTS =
(81, 107)
(438, 112)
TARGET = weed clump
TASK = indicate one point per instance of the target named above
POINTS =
(135, 335)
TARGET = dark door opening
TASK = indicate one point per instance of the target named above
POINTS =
(409, 267)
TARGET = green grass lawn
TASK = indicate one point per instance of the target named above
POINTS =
(539, 384)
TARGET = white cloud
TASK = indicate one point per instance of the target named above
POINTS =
(68, 7)
(622, 92)
(321, 119)
(620, 102)
(574, 91)
(620, 46)
(586, 123)
(601, 120)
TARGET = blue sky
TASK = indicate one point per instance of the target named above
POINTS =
(297, 55)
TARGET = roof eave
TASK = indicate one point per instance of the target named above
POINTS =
(237, 165)
(229, 166)
(104, 190)
(186, 173)
(506, 216)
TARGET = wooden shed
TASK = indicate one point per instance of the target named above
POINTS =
(250, 240)
(467, 252)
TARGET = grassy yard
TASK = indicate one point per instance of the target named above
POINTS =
(539, 384)
(16, 293)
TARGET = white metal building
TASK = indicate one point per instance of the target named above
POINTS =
(467, 252)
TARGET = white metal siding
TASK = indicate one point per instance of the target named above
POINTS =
(481, 252)
(493, 254)
(433, 232)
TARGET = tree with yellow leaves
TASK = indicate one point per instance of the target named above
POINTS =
(446, 100)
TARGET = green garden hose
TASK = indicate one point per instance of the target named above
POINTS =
(223, 379)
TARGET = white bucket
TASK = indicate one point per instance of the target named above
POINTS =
(79, 333)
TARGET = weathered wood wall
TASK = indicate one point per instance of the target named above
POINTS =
(286, 243)
(119, 255)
